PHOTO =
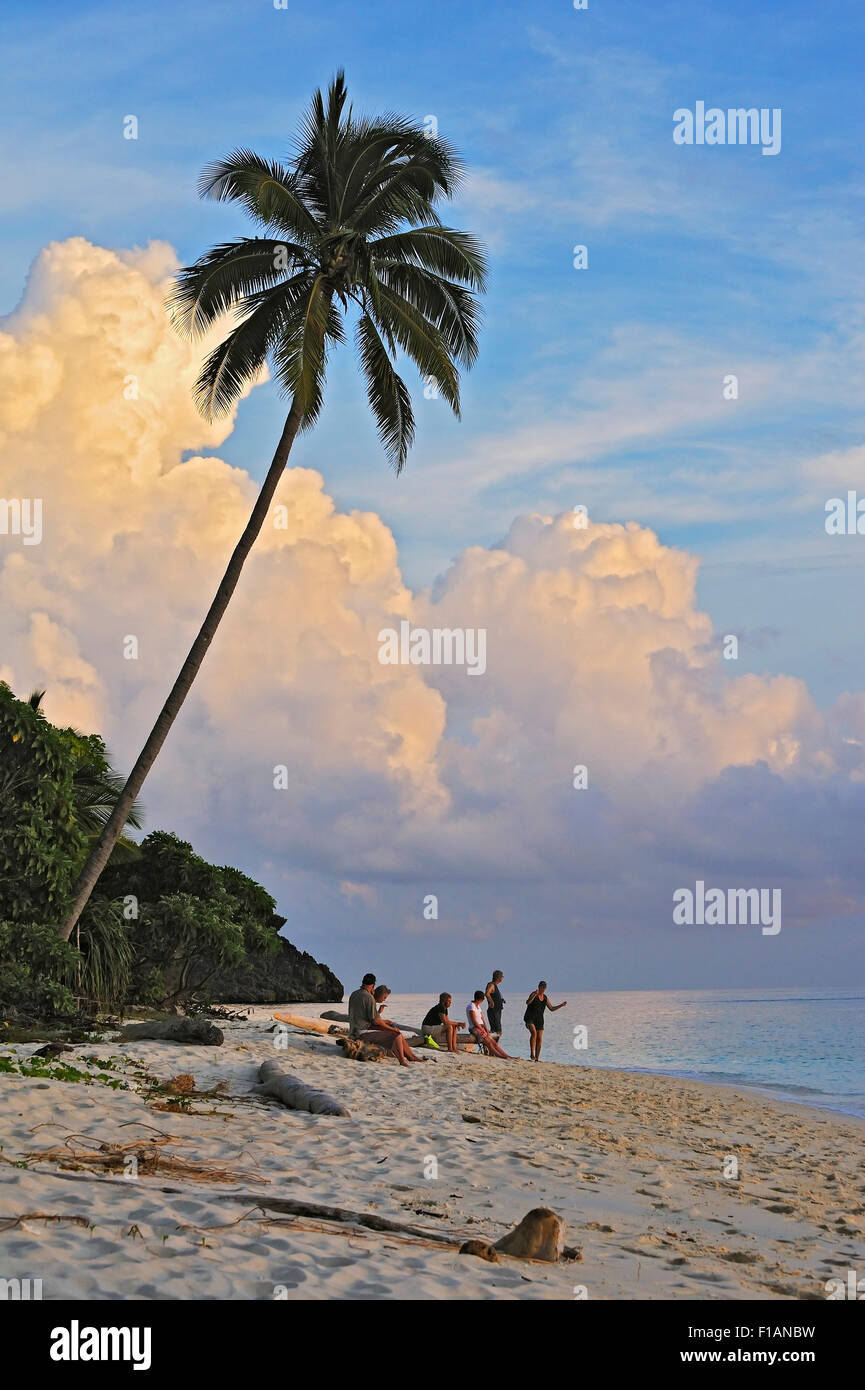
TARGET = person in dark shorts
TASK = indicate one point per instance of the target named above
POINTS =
(439, 1027)
(536, 1005)
(495, 1004)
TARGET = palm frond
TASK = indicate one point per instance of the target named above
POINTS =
(239, 358)
(226, 274)
(422, 342)
(452, 309)
(389, 398)
(269, 192)
(455, 255)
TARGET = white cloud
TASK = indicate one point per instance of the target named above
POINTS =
(596, 652)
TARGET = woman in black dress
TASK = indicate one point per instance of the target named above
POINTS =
(536, 1004)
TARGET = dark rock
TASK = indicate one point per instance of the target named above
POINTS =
(290, 977)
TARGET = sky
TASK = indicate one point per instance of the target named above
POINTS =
(601, 387)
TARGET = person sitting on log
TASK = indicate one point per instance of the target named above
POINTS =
(439, 1027)
(361, 1007)
(385, 1034)
(478, 1027)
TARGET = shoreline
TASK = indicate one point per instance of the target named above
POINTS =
(632, 1162)
(770, 1090)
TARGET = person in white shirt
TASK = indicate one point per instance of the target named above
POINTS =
(478, 1027)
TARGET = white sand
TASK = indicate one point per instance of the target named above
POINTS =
(633, 1163)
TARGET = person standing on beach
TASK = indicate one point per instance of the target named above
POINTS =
(533, 1018)
(495, 1004)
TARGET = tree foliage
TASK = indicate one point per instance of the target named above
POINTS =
(190, 919)
(349, 222)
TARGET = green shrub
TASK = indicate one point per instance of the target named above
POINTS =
(106, 955)
(37, 970)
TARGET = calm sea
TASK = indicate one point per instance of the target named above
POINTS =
(801, 1045)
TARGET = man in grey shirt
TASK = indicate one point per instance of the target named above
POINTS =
(361, 1007)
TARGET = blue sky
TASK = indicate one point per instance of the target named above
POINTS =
(701, 261)
(601, 387)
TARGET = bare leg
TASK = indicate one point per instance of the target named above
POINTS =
(538, 1044)
(453, 1029)
(491, 1047)
(533, 1033)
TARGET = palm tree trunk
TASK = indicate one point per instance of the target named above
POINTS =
(179, 691)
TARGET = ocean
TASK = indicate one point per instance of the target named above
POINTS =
(806, 1046)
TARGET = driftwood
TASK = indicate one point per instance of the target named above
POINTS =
(539, 1236)
(294, 1093)
(180, 1030)
(292, 1207)
(416, 1034)
(306, 1025)
(481, 1249)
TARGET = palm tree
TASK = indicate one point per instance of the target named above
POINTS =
(351, 226)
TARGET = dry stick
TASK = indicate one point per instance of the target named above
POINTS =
(321, 1228)
(339, 1217)
(293, 1207)
(41, 1216)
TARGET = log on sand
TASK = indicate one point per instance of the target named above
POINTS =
(306, 1025)
(180, 1030)
(539, 1236)
(294, 1093)
(411, 1028)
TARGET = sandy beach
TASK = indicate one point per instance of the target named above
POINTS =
(633, 1163)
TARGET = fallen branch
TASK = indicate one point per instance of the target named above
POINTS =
(538, 1237)
(41, 1216)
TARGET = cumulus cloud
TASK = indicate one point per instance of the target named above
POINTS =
(418, 777)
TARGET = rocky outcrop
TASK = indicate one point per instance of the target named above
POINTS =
(290, 977)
